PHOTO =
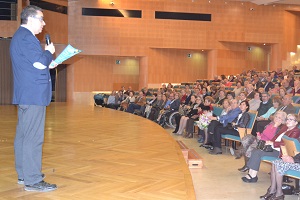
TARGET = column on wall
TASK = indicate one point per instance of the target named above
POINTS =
(212, 62)
(143, 78)
(70, 83)
(275, 57)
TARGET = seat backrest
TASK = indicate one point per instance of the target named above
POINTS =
(291, 145)
(253, 115)
(297, 106)
(217, 110)
(295, 98)
(248, 129)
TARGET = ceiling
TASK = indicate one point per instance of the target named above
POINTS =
(266, 2)
(258, 2)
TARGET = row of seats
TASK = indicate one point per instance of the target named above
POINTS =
(294, 145)
(287, 140)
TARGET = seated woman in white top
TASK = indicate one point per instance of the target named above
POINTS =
(255, 102)
(129, 99)
(238, 89)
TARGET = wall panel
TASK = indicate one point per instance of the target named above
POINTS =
(101, 73)
(173, 65)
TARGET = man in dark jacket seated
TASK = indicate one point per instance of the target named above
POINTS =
(265, 105)
(172, 107)
(224, 120)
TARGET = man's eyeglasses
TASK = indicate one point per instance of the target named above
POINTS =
(289, 119)
(39, 18)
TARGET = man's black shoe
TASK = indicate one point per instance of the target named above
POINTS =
(40, 187)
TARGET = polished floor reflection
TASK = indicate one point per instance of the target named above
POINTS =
(98, 153)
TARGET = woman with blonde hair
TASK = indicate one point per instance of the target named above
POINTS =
(249, 142)
(290, 129)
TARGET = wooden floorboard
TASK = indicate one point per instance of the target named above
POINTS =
(97, 153)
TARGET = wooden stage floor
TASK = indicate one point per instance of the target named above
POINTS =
(96, 153)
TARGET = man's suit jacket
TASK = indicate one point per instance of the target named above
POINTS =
(174, 105)
(30, 63)
(258, 85)
(231, 115)
(290, 109)
(268, 86)
(243, 121)
(250, 95)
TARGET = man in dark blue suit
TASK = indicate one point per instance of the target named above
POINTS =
(268, 85)
(32, 93)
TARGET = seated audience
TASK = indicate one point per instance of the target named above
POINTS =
(275, 90)
(224, 120)
(129, 100)
(255, 102)
(268, 84)
(188, 96)
(164, 88)
(170, 87)
(256, 83)
(205, 93)
(221, 96)
(241, 121)
(230, 95)
(250, 91)
(183, 96)
(157, 106)
(204, 121)
(264, 106)
(279, 167)
(238, 89)
(111, 101)
(226, 108)
(189, 129)
(296, 89)
(119, 99)
(139, 102)
(250, 142)
(187, 111)
(282, 92)
(193, 112)
(146, 92)
(266, 118)
(242, 97)
(145, 110)
(207, 86)
(128, 90)
(196, 92)
(227, 83)
(173, 106)
(290, 129)
(287, 106)
(287, 87)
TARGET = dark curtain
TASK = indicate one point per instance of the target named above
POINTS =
(6, 76)
(61, 83)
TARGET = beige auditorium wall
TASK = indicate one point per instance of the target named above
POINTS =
(8, 28)
(56, 25)
(173, 65)
(234, 23)
(239, 57)
(94, 73)
(100, 73)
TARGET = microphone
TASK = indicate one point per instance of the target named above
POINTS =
(48, 40)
